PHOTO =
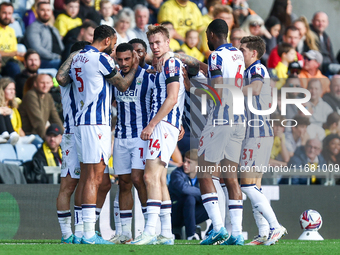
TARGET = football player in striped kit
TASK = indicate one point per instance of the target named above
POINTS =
(70, 169)
(162, 135)
(257, 145)
(93, 71)
(133, 111)
(222, 143)
(141, 48)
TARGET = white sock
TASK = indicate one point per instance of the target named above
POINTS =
(78, 222)
(98, 210)
(126, 220)
(261, 223)
(220, 196)
(145, 213)
(116, 215)
(165, 216)
(260, 203)
(236, 210)
(210, 202)
(154, 208)
(89, 219)
(64, 218)
(227, 221)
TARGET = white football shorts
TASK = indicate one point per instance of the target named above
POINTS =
(70, 163)
(256, 152)
(93, 143)
(162, 142)
(221, 142)
(128, 153)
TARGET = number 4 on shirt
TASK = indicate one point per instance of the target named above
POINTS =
(155, 144)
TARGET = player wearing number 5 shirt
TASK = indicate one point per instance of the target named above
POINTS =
(222, 143)
(92, 72)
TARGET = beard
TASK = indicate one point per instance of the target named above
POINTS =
(32, 69)
(44, 20)
(211, 46)
(108, 50)
(5, 22)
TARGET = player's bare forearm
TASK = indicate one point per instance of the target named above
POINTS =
(123, 83)
(193, 64)
(166, 107)
(256, 88)
(217, 80)
(63, 77)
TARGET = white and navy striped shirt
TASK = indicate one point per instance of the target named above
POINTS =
(89, 71)
(171, 72)
(147, 66)
(254, 72)
(133, 105)
(68, 101)
(226, 62)
(192, 116)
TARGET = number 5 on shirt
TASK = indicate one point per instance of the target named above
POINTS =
(81, 88)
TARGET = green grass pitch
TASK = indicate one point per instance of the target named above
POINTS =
(50, 247)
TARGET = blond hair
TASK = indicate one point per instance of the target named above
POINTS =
(219, 8)
(192, 154)
(152, 30)
(4, 82)
(311, 38)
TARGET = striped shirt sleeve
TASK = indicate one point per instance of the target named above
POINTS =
(215, 65)
(172, 70)
(107, 66)
(257, 74)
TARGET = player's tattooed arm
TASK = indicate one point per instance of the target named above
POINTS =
(194, 65)
(122, 84)
(63, 77)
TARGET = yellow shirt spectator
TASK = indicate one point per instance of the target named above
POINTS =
(183, 17)
(206, 20)
(193, 52)
(65, 23)
(174, 44)
(16, 120)
(281, 73)
(8, 40)
(276, 150)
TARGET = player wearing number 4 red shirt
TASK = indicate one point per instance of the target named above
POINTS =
(162, 135)
(258, 143)
(92, 72)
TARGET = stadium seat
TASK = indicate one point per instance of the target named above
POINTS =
(8, 155)
(25, 152)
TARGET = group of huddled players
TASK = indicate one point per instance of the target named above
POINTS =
(150, 102)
